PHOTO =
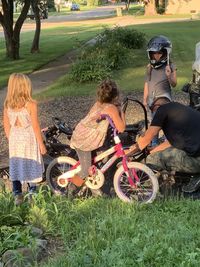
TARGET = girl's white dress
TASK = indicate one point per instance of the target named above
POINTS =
(25, 160)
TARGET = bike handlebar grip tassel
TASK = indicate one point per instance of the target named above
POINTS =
(117, 139)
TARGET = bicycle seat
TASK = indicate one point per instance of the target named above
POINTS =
(135, 128)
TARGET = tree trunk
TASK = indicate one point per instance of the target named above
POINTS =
(11, 31)
(36, 40)
(128, 4)
(150, 8)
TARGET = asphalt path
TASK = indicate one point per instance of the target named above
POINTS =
(99, 15)
(99, 12)
(75, 16)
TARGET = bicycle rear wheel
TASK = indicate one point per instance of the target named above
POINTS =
(57, 167)
(145, 190)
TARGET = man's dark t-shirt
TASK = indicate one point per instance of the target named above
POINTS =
(181, 126)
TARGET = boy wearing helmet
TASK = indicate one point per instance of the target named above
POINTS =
(160, 74)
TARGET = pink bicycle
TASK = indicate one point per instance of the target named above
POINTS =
(133, 181)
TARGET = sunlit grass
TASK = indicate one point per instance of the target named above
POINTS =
(131, 78)
(54, 42)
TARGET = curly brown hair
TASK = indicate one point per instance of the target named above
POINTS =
(107, 91)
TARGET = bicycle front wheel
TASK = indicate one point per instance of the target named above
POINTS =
(146, 188)
(57, 167)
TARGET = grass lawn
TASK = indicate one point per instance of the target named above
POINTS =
(108, 232)
(100, 232)
(54, 42)
(184, 36)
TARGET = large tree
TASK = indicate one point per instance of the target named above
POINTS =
(36, 39)
(12, 29)
(150, 7)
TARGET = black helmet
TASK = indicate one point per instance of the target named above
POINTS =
(161, 44)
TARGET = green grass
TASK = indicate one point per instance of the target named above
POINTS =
(131, 78)
(54, 42)
(108, 232)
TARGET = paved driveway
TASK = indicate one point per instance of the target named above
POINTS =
(75, 16)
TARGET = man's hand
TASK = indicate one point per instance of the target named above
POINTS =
(168, 71)
(132, 150)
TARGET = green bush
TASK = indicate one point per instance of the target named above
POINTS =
(127, 37)
(160, 10)
(51, 5)
(116, 55)
(90, 69)
(111, 52)
(94, 2)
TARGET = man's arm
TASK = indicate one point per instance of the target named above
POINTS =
(161, 147)
(171, 76)
(145, 140)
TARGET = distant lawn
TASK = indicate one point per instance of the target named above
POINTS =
(184, 36)
(54, 42)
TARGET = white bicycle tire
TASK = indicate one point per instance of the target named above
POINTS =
(59, 160)
(143, 168)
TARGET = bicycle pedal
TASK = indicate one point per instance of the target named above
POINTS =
(62, 182)
(92, 170)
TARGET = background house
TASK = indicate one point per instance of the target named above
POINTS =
(182, 6)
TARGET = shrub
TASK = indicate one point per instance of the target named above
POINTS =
(116, 55)
(90, 69)
(127, 37)
(94, 2)
(51, 5)
(111, 52)
(160, 10)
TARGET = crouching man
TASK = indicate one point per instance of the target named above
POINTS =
(181, 151)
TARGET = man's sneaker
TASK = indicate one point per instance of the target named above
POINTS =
(192, 186)
(19, 200)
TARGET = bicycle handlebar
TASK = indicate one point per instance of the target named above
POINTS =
(106, 116)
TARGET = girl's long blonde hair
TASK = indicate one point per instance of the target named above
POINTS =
(19, 91)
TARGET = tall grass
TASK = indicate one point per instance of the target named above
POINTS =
(100, 232)
(107, 232)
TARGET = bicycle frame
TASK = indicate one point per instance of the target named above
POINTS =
(117, 151)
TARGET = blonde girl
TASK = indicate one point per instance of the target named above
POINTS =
(23, 132)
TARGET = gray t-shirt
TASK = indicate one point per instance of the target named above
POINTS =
(158, 84)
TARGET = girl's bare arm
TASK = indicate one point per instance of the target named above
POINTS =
(119, 120)
(6, 123)
(32, 107)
